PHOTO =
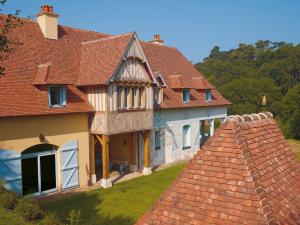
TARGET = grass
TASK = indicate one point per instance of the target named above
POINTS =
(122, 204)
(296, 146)
(10, 217)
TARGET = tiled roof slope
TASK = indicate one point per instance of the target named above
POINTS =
(246, 174)
(179, 73)
(81, 57)
(18, 95)
(100, 58)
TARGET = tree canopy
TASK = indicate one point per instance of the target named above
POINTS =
(247, 73)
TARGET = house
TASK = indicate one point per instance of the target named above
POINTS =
(246, 173)
(76, 105)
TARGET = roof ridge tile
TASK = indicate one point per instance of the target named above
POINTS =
(106, 38)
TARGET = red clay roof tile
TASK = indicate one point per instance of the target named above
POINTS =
(85, 58)
(100, 58)
(179, 73)
(235, 180)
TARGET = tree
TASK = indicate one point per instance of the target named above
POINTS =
(246, 95)
(245, 74)
(6, 45)
(290, 115)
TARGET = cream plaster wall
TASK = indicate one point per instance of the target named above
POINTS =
(19, 133)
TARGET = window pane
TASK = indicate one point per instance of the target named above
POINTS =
(132, 97)
(125, 97)
(186, 95)
(48, 174)
(208, 95)
(30, 175)
(186, 136)
(140, 97)
(157, 140)
(55, 95)
(119, 97)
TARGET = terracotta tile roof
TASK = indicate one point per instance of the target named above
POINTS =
(179, 73)
(247, 173)
(81, 57)
(18, 95)
(100, 58)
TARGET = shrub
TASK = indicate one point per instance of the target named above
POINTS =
(8, 200)
(74, 217)
(50, 219)
(29, 210)
(2, 188)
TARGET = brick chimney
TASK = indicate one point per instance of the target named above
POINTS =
(156, 40)
(47, 20)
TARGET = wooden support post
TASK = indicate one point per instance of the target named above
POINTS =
(93, 163)
(147, 153)
(133, 152)
(105, 182)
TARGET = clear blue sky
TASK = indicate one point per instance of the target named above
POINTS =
(193, 26)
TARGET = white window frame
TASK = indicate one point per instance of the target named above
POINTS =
(185, 99)
(206, 95)
(186, 136)
(157, 140)
(63, 96)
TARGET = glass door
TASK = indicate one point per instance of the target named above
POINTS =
(47, 173)
(39, 173)
(30, 175)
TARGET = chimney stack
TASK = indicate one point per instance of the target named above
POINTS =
(156, 40)
(47, 20)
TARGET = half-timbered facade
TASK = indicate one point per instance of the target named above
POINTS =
(87, 105)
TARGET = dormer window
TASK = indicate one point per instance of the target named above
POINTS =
(57, 96)
(186, 95)
(208, 95)
(157, 95)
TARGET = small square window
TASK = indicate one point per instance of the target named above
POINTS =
(208, 95)
(157, 139)
(57, 96)
(186, 95)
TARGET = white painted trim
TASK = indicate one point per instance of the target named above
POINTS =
(123, 58)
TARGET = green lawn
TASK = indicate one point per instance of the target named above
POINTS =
(121, 205)
(296, 146)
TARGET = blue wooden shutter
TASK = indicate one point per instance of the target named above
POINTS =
(69, 165)
(10, 170)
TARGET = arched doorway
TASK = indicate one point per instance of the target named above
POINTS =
(39, 173)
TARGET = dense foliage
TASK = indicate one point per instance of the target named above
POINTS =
(245, 74)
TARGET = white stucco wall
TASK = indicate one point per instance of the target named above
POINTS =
(170, 123)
